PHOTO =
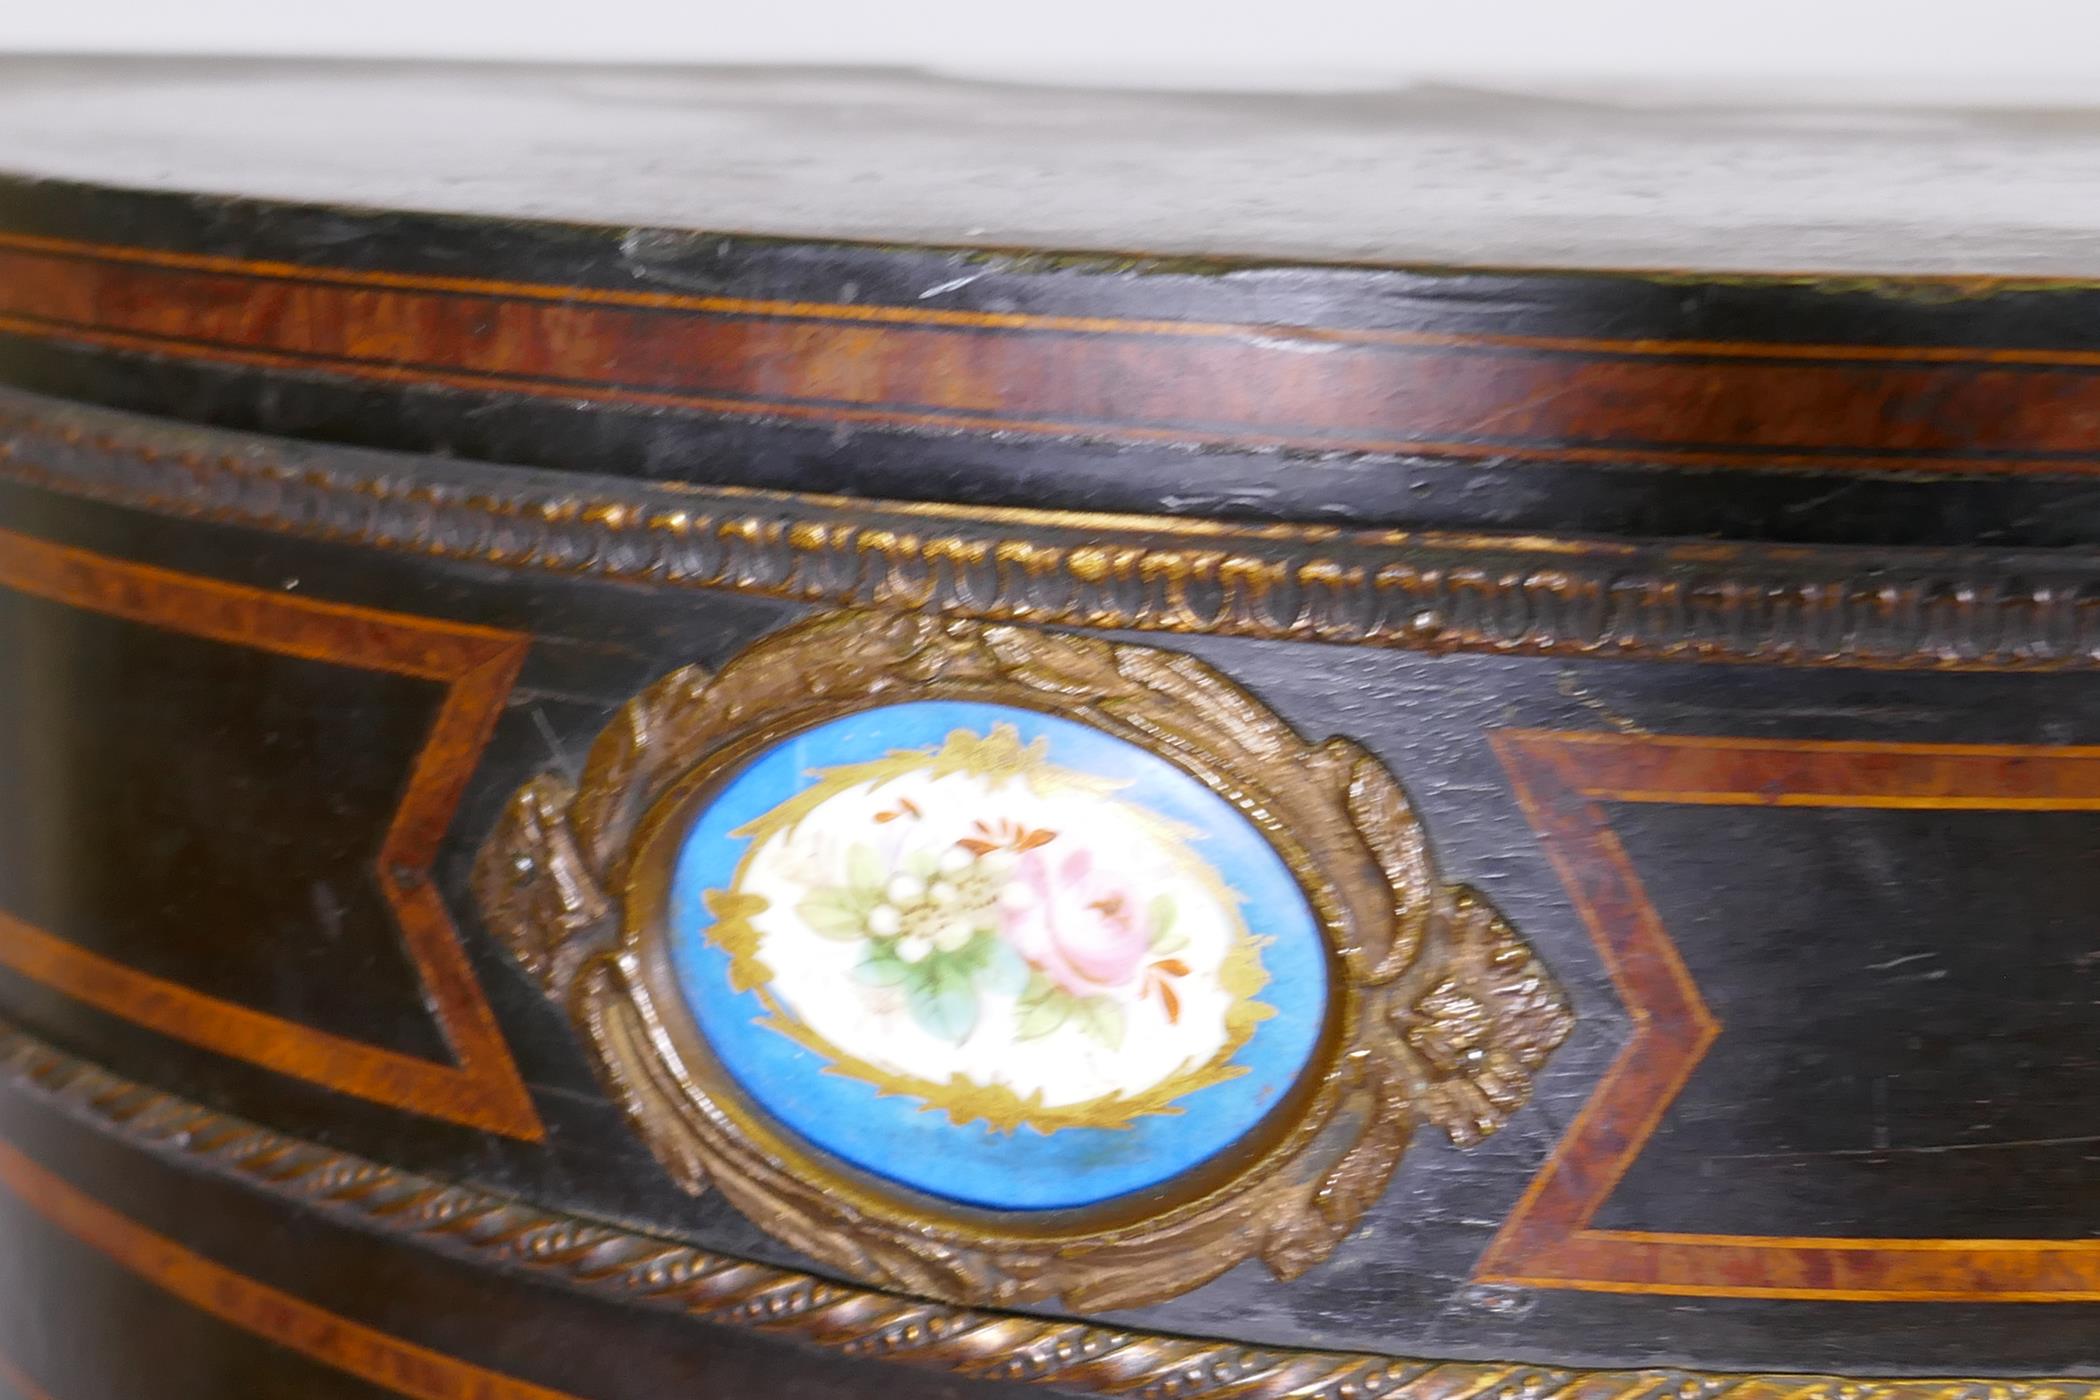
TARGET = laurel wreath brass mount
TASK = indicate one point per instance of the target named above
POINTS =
(1439, 1014)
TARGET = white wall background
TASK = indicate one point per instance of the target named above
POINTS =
(2015, 51)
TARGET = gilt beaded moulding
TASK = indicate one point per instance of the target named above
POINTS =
(1004, 965)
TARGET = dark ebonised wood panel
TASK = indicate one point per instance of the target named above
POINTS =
(1728, 624)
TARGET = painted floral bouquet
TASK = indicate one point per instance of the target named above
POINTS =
(993, 933)
(1067, 932)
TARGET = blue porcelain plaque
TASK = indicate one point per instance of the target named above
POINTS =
(996, 956)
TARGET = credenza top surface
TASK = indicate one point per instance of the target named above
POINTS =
(1422, 176)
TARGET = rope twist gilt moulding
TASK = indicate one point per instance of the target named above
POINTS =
(665, 1276)
(657, 898)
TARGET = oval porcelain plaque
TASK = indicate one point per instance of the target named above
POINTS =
(993, 955)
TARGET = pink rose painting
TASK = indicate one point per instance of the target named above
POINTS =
(1077, 920)
(1093, 940)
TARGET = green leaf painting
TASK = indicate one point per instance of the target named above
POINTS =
(881, 967)
(942, 999)
(1160, 916)
(836, 912)
(1103, 1019)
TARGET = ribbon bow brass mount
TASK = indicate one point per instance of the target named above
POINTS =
(1160, 984)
